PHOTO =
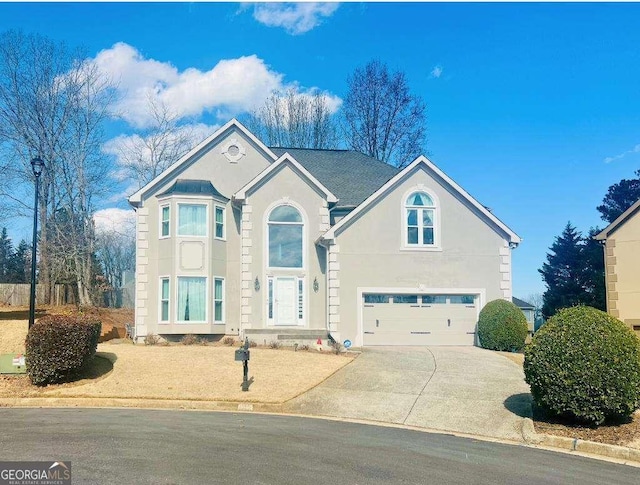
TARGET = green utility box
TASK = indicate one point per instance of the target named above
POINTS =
(12, 364)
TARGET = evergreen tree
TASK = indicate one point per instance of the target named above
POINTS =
(20, 267)
(619, 198)
(573, 272)
(6, 256)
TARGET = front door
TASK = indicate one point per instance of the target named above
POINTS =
(285, 301)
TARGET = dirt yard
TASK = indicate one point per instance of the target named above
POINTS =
(196, 372)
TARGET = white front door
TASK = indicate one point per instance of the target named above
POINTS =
(285, 301)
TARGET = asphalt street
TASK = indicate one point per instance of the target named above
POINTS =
(127, 446)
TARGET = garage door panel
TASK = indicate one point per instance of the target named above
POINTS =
(425, 320)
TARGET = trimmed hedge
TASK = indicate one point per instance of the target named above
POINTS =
(502, 326)
(58, 346)
(584, 365)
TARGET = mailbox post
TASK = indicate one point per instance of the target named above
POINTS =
(242, 355)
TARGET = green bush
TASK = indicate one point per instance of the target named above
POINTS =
(584, 365)
(58, 346)
(502, 326)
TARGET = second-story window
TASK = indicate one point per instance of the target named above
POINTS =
(192, 220)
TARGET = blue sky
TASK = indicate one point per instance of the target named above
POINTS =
(527, 103)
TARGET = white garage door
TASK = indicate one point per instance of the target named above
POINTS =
(417, 319)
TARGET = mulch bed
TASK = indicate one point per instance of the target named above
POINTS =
(616, 433)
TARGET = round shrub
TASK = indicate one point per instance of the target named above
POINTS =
(584, 365)
(502, 326)
(58, 346)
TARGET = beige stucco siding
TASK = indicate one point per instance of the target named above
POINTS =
(371, 252)
(166, 257)
(287, 186)
(623, 272)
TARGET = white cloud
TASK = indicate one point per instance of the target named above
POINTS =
(234, 85)
(436, 72)
(295, 18)
(115, 220)
(635, 149)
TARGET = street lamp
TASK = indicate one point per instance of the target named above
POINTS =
(37, 166)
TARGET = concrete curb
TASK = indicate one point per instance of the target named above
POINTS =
(626, 455)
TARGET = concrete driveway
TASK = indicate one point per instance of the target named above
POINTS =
(461, 389)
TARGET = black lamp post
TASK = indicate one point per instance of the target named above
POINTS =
(37, 165)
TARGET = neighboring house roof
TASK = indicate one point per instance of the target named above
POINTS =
(193, 187)
(624, 217)
(523, 305)
(286, 158)
(136, 198)
(352, 176)
(421, 160)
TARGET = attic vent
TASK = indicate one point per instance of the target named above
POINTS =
(233, 150)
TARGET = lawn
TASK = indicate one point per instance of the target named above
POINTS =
(179, 372)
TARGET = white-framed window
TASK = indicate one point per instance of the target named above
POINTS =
(218, 300)
(219, 229)
(164, 299)
(270, 299)
(285, 230)
(192, 299)
(165, 218)
(192, 219)
(420, 220)
(300, 299)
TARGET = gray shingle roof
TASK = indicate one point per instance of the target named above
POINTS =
(351, 176)
(521, 303)
(190, 187)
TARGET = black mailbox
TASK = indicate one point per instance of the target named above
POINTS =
(242, 355)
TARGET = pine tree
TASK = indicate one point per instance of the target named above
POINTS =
(619, 198)
(6, 256)
(20, 267)
(573, 272)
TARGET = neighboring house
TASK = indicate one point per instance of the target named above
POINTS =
(241, 239)
(529, 312)
(621, 241)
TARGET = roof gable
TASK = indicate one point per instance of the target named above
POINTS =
(218, 135)
(624, 217)
(382, 191)
(286, 158)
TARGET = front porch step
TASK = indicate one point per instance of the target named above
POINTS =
(301, 335)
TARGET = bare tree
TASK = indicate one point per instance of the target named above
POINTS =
(295, 120)
(381, 117)
(53, 104)
(116, 252)
(146, 154)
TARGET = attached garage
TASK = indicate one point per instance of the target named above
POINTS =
(419, 319)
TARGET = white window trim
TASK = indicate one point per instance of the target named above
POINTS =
(162, 206)
(206, 218)
(224, 305)
(160, 300)
(481, 294)
(206, 307)
(437, 237)
(303, 215)
(224, 222)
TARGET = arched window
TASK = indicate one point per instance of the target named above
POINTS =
(285, 237)
(420, 214)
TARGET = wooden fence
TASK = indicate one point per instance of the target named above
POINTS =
(18, 294)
